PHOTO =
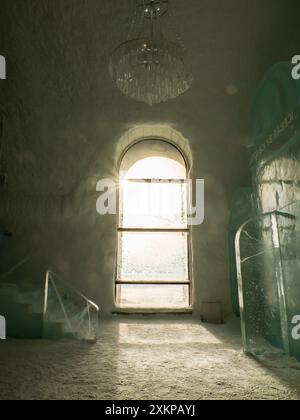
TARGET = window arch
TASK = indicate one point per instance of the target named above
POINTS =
(153, 236)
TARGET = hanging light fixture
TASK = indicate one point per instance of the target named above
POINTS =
(148, 67)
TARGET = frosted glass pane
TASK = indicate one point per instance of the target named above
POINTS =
(153, 205)
(154, 297)
(158, 168)
(153, 256)
(153, 159)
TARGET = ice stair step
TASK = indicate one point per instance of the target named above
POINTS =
(24, 316)
(20, 323)
(54, 330)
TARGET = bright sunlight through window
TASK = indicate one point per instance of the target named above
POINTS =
(153, 236)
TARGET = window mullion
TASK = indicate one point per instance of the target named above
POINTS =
(153, 230)
(156, 181)
(155, 282)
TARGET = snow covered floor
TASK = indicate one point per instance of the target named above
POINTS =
(146, 358)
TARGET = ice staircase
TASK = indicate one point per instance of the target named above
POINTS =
(23, 312)
(55, 311)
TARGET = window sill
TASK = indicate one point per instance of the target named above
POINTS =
(149, 311)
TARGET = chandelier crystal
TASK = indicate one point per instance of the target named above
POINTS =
(148, 67)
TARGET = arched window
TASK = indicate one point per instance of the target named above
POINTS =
(153, 236)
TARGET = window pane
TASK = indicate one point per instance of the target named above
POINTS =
(153, 297)
(153, 256)
(153, 205)
(157, 168)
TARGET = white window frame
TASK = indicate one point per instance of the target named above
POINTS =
(186, 230)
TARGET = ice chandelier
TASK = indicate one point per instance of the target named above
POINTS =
(148, 67)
